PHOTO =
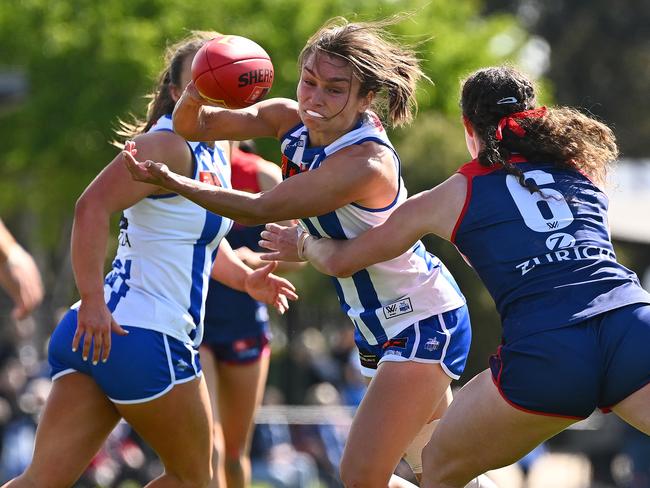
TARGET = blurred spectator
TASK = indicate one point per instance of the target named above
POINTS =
(274, 459)
(20, 430)
(636, 452)
(323, 441)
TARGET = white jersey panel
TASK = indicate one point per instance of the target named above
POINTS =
(385, 298)
(165, 252)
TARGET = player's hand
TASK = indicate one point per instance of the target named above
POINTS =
(192, 95)
(145, 171)
(95, 325)
(249, 257)
(19, 276)
(282, 241)
(273, 290)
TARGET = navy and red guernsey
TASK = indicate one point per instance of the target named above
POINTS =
(546, 257)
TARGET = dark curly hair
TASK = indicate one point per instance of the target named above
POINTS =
(563, 135)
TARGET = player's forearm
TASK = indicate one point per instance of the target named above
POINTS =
(343, 258)
(229, 269)
(243, 207)
(88, 246)
(330, 257)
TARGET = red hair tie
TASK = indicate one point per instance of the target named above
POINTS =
(510, 121)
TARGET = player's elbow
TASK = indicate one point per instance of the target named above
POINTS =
(89, 210)
(187, 131)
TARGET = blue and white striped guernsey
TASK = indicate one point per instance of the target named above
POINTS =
(166, 247)
(384, 298)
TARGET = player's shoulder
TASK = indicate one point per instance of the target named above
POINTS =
(166, 147)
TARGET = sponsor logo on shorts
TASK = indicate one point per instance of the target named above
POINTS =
(181, 365)
(400, 307)
(432, 344)
(368, 360)
(398, 342)
(392, 352)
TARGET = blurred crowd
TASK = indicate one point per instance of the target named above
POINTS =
(293, 453)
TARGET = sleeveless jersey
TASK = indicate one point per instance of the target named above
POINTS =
(165, 252)
(384, 298)
(545, 257)
(231, 314)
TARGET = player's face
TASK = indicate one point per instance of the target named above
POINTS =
(186, 77)
(328, 97)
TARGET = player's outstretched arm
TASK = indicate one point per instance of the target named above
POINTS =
(196, 120)
(291, 199)
(434, 211)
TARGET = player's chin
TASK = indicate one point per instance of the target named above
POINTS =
(312, 122)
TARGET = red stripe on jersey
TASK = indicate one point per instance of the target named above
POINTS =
(469, 171)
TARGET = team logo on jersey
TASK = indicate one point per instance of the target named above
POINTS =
(289, 168)
(209, 177)
(432, 344)
(400, 307)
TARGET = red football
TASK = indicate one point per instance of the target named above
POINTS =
(233, 71)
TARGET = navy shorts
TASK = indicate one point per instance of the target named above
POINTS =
(571, 371)
(142, 365)
(443, 339)
(243, 350)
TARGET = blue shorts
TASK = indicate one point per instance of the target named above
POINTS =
(244, 350)
(142, 365)
(444, 339)
(571, 371)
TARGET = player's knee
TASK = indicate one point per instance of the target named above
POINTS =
(441, 469)
(436, 468)
(46, 477)
(197, 478)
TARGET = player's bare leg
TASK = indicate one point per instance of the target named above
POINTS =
(401, 398)
(209, 368)
(178, 426)
(472, 439)
(75, 423)
(241, 387)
